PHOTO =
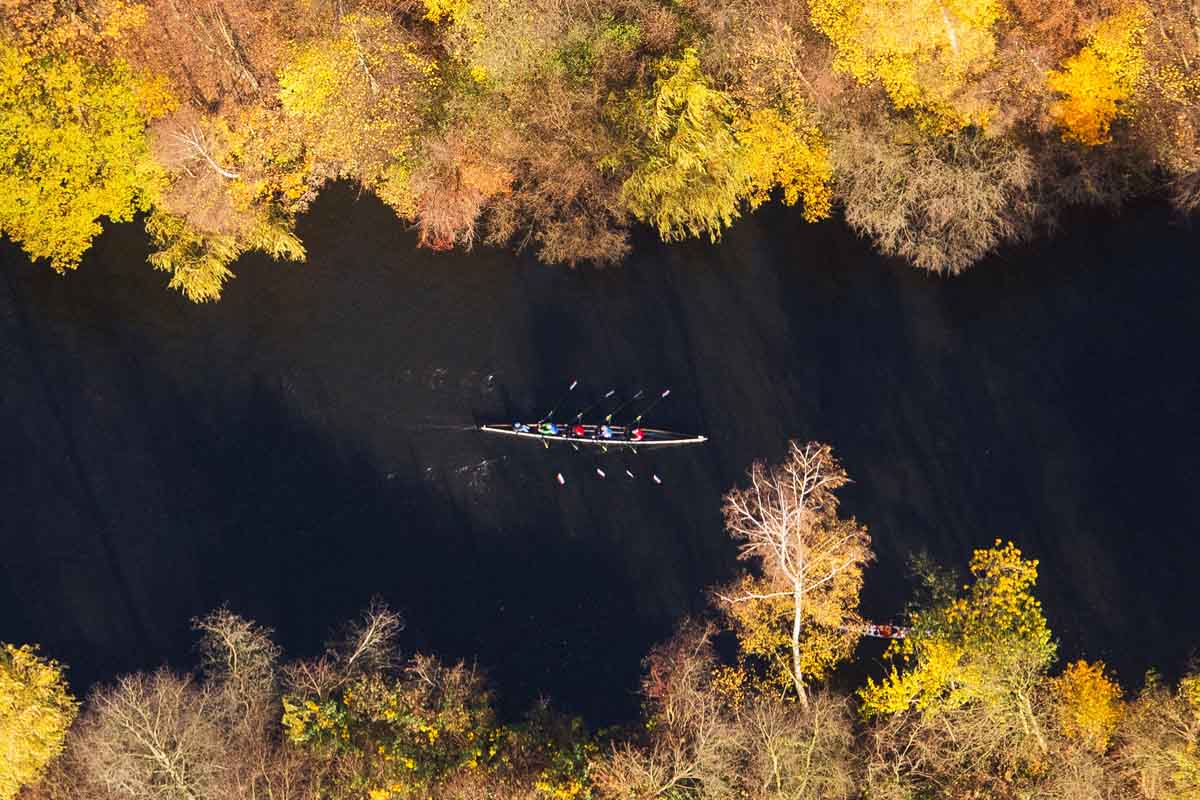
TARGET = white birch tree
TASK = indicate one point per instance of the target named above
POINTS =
(786, 519)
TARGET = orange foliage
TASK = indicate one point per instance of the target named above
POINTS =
(1088, 704)
(1098, 83)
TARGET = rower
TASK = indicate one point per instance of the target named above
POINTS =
(605, 432)
(548, 429)
(637, 434)
(577, 430)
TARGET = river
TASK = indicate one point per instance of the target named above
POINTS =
(306, 443)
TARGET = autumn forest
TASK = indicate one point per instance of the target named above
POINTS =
(939, 130)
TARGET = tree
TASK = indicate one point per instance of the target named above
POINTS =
(928, 55)
(36, 709)
(1089, 704)
(219, 53)
(387, 728)
(963, 703)
(458, 175)
(940, 202)
(360, 97)
(73, 150)
(797, 753)
(154, 737)
(789, 155)
(695, 744)
(691, 747)
(1166, 112)
(1158, 741)
(240, 662)
(687, 180)
(198, 263)
(561, 201)
(786, 520)
(1097, 84)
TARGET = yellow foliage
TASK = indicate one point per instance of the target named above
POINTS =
(453, 11)
(358, 98)
(779, 153)
(980, 647)
(36, 709)
(763, 631)
(925, 53)
(1088, 704)
(1189, 690)
(1098, 83)
(1000, 603)
(118, 17)
(199, 262)
(73, 150)
(689, 180)
(704, 157)
(934, 683)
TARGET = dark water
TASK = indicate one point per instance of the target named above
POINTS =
(303, 444)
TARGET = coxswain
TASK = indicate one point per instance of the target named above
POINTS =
(637, 434)
(520, 427)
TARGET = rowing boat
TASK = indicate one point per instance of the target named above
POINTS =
(652, 437)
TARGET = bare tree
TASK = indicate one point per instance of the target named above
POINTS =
(1158, 741)
(188, 141)
(797, 753)
(940, 202)
(368, 645)
(153, 737)
(976, 749)
(786, 519)
(691, 750)
(239, 661)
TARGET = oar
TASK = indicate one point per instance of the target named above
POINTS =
(570, 389)
(607, 395)
(622, 407)
(646, 411)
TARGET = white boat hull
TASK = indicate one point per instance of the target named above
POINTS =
(652, 436)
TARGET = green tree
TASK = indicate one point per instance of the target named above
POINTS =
(688, 180)
(36, 709)
(701, 157)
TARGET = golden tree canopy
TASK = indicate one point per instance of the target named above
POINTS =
(72, 150)
(1098, 84)
(1089, 704)
(36, 709)
(983, 646)
(787, 520)
(927, 54)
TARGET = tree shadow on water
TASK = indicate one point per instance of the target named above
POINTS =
(303, 532)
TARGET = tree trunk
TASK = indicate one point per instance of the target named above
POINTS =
(797, 678)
